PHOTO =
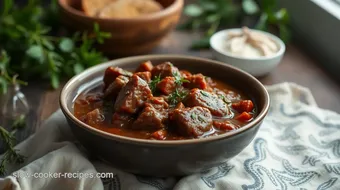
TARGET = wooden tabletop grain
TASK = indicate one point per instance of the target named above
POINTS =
(296, 66)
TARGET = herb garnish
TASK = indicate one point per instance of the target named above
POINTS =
(204, 93)
(177, 96)
(179, 80)
(153, 83)
(11, 155)
(193, 116)
(200, 119)
(225, 99)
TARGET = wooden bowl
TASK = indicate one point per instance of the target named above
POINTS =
(168, 157)
(130, 36)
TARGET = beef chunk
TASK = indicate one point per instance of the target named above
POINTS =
(132, 96)
(192, 122)
(208, 100)
(164, 70)
(114, 88)
(144, 75)
(180, 105)
(198, 81)
(93, 117)
(158, 103)
(111, 73)
(167, 85)
(150, 119)
(145, 66)
(153, 116)
(121, 120)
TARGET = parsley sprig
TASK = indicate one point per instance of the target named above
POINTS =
(153, 83)
(177, 96)
(179, 80)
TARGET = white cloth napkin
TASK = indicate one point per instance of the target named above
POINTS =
(297, 147)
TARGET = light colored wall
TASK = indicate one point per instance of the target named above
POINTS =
(316, 23)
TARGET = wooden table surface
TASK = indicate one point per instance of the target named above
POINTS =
(296, 66)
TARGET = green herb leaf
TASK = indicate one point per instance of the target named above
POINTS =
(225, 99)
(19, 123)
(36, 52)
(209, 6)
(213, 18)
(153, 83)
(200, 118)
(201, 44)
(78, 68)
(48, 44)
(54, 80)
(262, 23)
(285, 34)
(281, 16)
(7, 6)
(250, 7)
(186, 25)
(268, 5)
(179, 80)
(3, 85)
(204, 93)
(100, 36)
(66, 45)
(193, 10)
(177, 96)
(193, 116)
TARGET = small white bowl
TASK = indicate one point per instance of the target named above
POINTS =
(255, 66)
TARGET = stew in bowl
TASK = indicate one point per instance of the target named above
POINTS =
(163, 102)
(172, 116)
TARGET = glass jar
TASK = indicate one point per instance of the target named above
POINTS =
(14, 103)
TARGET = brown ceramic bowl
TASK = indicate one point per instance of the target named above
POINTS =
(165, 158)
(130, 36)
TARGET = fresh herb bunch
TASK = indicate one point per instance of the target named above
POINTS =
(36, 51)
(11, 155)
(214, 14)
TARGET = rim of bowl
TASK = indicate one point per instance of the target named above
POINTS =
(74, 80)
(221, 33)
(177, 4)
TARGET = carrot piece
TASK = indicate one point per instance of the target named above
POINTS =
(159, 135)
(244, 116)
(243, 106)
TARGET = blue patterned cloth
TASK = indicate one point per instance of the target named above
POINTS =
(297, 147)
